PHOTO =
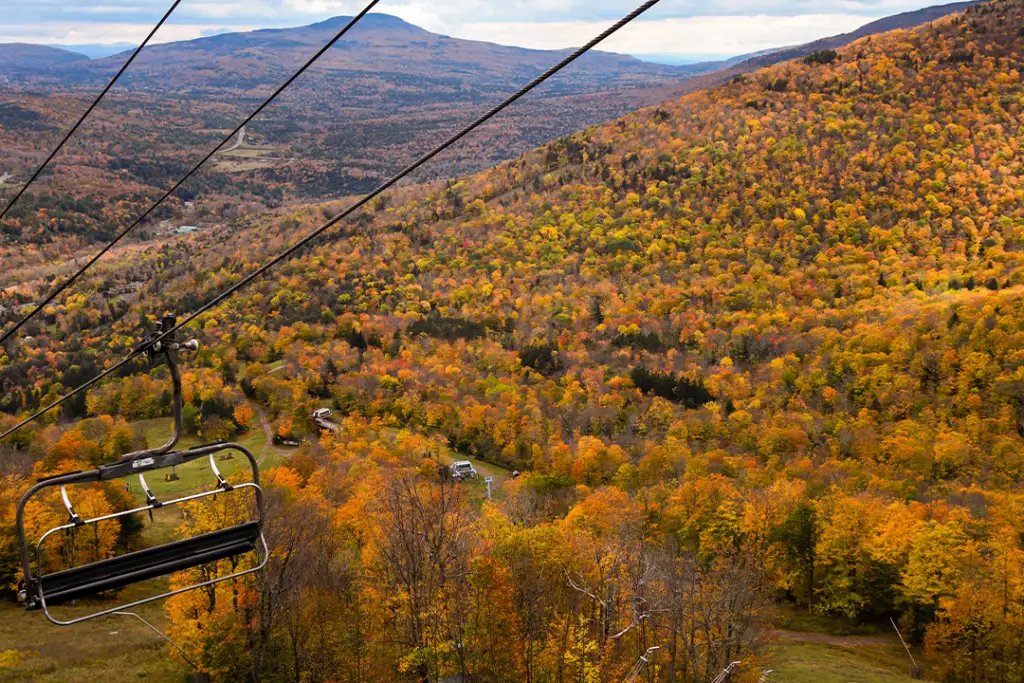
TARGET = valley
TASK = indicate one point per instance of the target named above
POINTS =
(757, 351)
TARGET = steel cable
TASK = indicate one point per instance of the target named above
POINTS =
(491, 113)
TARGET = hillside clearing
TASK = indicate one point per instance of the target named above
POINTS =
(816, 658)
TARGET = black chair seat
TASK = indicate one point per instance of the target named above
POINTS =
(118, 572)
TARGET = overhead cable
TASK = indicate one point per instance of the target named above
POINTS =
(83, 117)
(491, 113)
(67, 283)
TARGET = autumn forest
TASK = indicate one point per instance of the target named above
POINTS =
(757, 351)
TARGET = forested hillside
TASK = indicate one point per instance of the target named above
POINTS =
(384, 94)
(759, 346)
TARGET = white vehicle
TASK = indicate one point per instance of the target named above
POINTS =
(321, 413)
(463, 469)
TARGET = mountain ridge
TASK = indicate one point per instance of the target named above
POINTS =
(902, 20)
(377, 21)
(379, 42)
(374, 101)
(26, 57)
(723, 71)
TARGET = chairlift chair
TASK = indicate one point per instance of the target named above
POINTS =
(41, 590)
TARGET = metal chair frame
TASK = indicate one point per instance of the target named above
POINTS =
(204, 547)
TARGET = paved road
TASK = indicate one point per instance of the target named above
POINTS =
(238, 143)
(325, 424)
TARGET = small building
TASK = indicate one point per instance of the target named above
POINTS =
(185, 230)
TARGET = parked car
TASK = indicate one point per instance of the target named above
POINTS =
(321, 413)
(463, 469)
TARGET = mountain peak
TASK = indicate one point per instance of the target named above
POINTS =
(372, 20)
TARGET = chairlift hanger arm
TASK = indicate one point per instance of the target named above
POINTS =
(163, 347)
(153, 458)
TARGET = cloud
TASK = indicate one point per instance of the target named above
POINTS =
(209, 32)
(100, 33)
(720, 35)
(691, 27)
(457, 11)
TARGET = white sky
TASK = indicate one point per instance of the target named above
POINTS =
(681, 28)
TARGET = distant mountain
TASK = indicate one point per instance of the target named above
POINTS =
(97, 50)
(707, 74)
(696, 68)
(26, 57)
(382, 49)
(710, 74)
(904, 20)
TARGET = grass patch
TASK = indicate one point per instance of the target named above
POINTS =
(110, 649)
(241, 166)
(192, 477)
(158, 430)
(198, 475)
(246, 152)
(791, 618)
(816, 662)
